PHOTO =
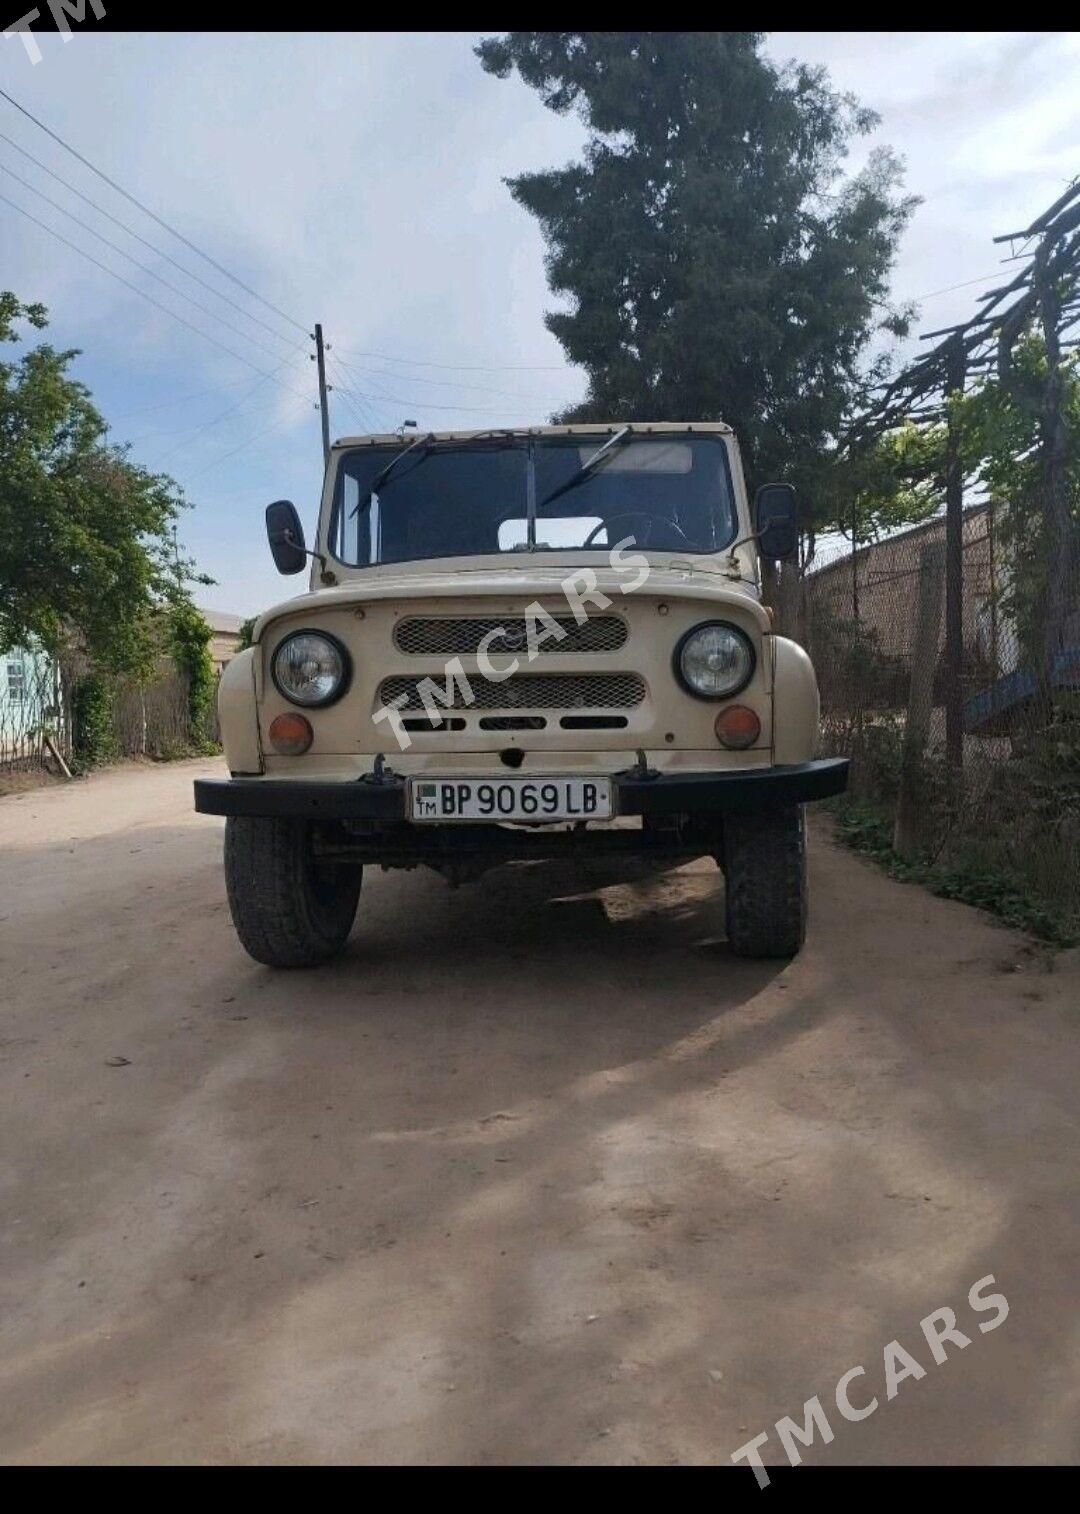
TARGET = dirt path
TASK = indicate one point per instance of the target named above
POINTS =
(537, 1172)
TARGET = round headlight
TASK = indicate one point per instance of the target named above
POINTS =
(714, 660)
(311, 668)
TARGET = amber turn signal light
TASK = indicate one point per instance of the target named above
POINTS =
(291, 734)
(737, 726)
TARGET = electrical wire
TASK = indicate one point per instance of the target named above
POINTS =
(387, 357)
(128, 284)
(243, 335)
(152, 214)
(539, 399)
(224, 415)
(157, 251)
(364, 412)
(284, 420)
(182, 399)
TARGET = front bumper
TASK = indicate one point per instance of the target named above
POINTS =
(653, 795)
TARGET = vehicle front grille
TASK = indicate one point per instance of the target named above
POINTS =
(434, 636)
(527, 691)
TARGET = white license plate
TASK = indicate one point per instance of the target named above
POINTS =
(534, 799)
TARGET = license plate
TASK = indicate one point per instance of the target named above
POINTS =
(533, 799)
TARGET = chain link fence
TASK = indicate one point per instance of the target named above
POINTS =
(1002, 796)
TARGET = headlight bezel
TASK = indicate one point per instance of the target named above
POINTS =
(342, 686)
(736, 688)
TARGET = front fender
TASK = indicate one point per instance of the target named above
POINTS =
(796, 709)
(238, 714)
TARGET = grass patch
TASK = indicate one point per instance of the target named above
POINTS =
(868, 829)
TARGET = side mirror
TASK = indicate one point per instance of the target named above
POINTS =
(775, 520)
(286, 537)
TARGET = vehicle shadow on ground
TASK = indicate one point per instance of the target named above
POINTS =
(536, 1170)
(467, 1044)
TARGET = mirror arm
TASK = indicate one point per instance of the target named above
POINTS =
(733, 561)
(324, 572)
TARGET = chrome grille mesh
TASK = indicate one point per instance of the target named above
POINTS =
(436, 635)
(528, 691)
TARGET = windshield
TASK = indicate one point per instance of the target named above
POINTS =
(670, 493)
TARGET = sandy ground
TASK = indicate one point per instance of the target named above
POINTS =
(536, 1172)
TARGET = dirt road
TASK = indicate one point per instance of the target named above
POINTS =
(537, 1172)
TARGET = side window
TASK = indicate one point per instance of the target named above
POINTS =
(16, 682)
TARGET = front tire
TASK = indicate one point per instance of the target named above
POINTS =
(289, 909)
(764, 863)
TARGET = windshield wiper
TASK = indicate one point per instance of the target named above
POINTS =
(383, 474)
(587, 467)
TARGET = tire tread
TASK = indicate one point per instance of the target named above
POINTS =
(766, 893)
(277, 917)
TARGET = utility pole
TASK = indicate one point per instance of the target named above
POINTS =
(176, 560)
(320, 358)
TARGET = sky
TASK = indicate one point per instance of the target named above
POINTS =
(356, 179)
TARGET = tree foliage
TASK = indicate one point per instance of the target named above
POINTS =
(189, 641)
(892, 480)
(86, 554)
(1002, 449)
(714, 260)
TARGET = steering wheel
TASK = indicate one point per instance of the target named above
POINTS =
(651, 520)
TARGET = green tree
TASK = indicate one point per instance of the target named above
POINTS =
(86, 554)
(891, 480)
(714, 260)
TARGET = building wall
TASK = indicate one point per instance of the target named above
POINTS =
(29, 700)
(223, 647)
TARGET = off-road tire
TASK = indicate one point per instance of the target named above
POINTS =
(288, 910)
(764, 862)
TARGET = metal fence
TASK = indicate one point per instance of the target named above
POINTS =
(970, 746)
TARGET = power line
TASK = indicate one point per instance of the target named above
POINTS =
(277, 426)
(539, 399)
(243, 335)
(157, 251)
(217, 419)
(986, 277)
(152, 214)
(128, 284)
(182, 399)
(414, 404)
(364, 411)
(387, 357)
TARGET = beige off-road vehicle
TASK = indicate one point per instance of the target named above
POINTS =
(515, 644)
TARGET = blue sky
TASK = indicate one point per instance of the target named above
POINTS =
(356, 179)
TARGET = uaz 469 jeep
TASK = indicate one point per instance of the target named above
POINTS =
(518, 644)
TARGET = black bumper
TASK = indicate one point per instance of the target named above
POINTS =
(664, 794)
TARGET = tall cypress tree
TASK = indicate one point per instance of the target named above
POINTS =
(714, 259)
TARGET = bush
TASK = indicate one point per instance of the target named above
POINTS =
(93, 731)
(189, 638)
(996, 887)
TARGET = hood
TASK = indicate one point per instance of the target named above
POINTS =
(495, 579)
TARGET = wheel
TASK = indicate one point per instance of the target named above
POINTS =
(288, 909)
(764, 860)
